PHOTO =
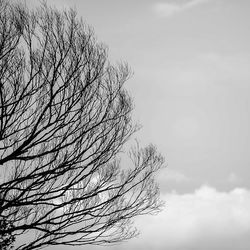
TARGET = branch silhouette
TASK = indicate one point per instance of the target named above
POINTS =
(64, 118)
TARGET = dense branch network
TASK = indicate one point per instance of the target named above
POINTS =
(64, 117)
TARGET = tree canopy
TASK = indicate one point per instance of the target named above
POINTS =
(64, 119)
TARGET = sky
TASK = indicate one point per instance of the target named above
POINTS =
(190, 86)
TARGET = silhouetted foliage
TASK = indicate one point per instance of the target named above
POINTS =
(64, 117)
(6, 239)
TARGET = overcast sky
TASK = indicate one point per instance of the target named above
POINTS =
(191, 88)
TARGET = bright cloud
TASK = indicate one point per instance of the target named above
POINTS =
(166, 9)
(204, 219)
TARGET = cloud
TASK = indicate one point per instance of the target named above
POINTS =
(205, 219)
(166, 9)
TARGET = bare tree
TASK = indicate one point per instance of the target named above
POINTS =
(64, 118)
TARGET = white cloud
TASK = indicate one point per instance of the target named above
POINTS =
(204, 219)
(166, 9)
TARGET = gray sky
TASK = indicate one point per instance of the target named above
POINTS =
(191, 88)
